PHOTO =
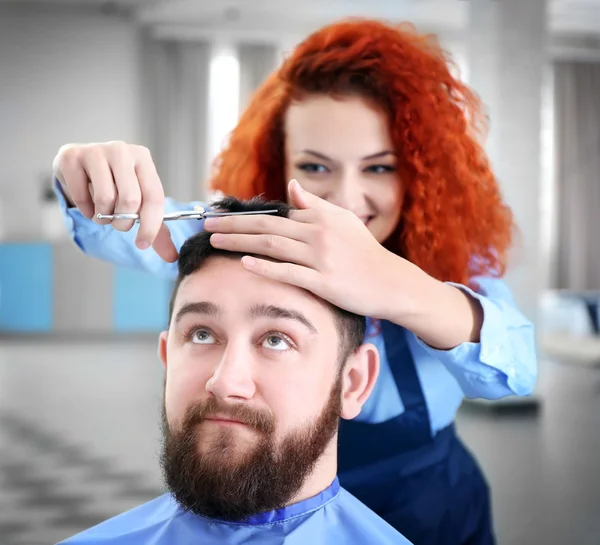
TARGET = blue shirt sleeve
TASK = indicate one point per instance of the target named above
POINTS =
(117, 247)
(504, 362)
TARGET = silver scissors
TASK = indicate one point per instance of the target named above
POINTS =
(198, 213)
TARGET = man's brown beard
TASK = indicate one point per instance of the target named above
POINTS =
(213, 483)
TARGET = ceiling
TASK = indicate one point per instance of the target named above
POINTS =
(298, 16)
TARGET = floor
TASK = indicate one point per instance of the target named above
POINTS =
(79, 444)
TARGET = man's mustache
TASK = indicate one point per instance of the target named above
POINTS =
(262, 421)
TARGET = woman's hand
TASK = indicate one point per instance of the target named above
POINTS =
(112, 178)
(322, 248)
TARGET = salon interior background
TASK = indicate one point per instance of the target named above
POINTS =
(174, 75)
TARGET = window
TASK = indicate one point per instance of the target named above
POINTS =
(223, 98)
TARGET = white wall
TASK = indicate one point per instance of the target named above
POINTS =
(65, 76)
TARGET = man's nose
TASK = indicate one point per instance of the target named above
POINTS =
(232, 378)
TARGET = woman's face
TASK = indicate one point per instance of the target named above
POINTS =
(341, 151)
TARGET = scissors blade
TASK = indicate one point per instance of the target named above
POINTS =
(183, 215)
(246, 213)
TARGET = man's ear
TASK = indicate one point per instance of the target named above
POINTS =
(162, 347)
(358, 379)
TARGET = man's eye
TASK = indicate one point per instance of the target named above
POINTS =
(202, 336)
(276, 342)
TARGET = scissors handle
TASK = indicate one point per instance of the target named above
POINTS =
(183, 215)
(136, 217)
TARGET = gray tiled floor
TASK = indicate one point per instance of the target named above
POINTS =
(79, 443)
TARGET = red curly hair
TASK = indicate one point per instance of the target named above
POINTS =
(454, 224)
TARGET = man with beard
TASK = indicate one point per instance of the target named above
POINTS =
(258, 374)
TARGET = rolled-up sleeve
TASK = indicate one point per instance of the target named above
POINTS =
(117, 247)
(504, 362)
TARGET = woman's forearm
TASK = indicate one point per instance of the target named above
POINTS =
(440, 314)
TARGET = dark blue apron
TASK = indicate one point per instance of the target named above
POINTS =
(430, 489)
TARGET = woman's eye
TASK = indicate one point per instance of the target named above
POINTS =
(313, 168)
(276, 342)
(202, 336)
(380, 169)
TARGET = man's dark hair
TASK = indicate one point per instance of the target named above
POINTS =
(197, 249)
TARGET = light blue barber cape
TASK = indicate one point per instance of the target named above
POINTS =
(332, 517)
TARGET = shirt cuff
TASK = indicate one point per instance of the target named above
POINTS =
(481, 361)
(76, 223)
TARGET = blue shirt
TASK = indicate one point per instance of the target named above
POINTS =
(333, 516)
(503, 362)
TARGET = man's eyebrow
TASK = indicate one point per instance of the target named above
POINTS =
(272, 311)
(199, 307)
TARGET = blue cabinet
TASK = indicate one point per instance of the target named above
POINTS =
(26, 287)
(45, 288)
